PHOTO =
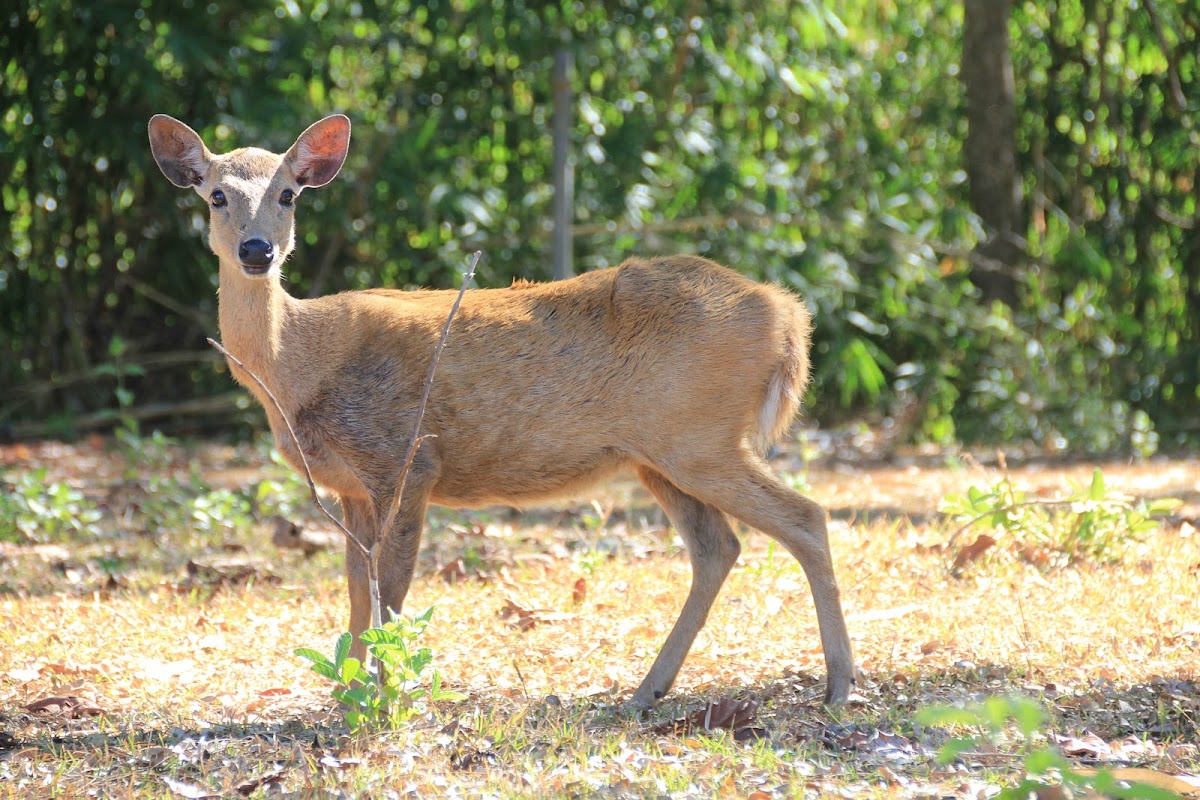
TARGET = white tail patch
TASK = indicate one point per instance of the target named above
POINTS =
(775, 412)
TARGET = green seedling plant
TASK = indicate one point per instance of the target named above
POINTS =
(284, 493)
(141, 452)
(1045, 769)
(34, 510)
(1093, 523)
(393, 693)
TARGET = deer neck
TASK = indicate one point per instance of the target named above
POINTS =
(255, 315)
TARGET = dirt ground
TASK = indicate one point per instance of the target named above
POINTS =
(149, 652)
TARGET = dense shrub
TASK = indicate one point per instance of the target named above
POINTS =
(815, 143)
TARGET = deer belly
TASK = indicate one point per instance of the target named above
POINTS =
(521, 482)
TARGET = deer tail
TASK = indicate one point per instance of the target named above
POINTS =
(787, 384)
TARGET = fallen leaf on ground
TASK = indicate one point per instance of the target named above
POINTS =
(246, 787)
(288, 535)
(728, 713)
(333, 762)
(523, 619)
(579, 591)
(188, 790)
(453, 572)
(226, 571)
(71, 707)
(1089, 746)
(972, 551)
(891, 746)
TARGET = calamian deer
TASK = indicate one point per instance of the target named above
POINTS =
(682, 370)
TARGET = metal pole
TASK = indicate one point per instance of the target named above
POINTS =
(564, 173)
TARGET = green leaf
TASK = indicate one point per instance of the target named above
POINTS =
(1163, 505)
(1042, 761)
(1029, 715)
(327, 671)
(341, 649)
(948, 715)
(380, 636)
(312, 655)
(350, 669)
(954, 748)
(1096, 492)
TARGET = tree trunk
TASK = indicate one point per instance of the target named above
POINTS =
(992, 173)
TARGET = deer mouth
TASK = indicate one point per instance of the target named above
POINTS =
(256, 270)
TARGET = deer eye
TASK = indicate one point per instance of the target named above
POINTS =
(287, 197)
(218, 199)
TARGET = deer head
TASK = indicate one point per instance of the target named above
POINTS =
(251, 193)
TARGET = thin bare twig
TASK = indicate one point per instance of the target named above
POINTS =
(417, 438)
(312, 486)
(413, 445)
(372, 553)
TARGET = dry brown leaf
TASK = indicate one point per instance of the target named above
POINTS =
(579, 591)
(454, 572)
(288, 535)
(1090, 746)
(972, 551)
(728, 713)
(71, 668)
(891, 746)
(523, 619)
(71, 707)
(248, 786)
(227, 571)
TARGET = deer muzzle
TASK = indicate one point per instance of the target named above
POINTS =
(256, 256)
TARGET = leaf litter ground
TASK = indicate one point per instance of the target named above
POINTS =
(150, 655)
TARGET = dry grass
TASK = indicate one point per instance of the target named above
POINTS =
(198, 691)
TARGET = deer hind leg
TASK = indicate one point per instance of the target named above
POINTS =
(747, 490)
(713, 549)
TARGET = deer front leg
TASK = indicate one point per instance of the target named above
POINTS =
(397, 560)
(398, 553)
(359, 518)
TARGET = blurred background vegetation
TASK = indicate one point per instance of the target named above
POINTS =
(991, 206)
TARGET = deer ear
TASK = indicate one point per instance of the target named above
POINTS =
(318, 154)
(180, 153)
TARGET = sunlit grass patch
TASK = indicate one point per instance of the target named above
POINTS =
(194, 683)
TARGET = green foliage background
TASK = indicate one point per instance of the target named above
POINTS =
(812, 142)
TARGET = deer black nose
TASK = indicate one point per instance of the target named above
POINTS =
(256, 254)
